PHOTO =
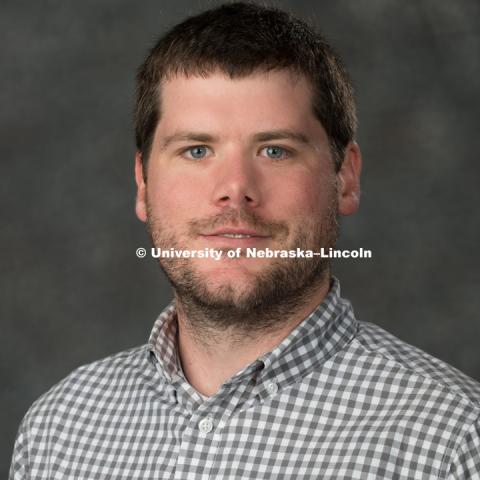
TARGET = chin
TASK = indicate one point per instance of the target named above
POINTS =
(233, 279)
(237, 268)
(229, 295)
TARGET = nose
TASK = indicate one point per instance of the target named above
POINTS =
(237, 183)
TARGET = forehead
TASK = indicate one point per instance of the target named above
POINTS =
(279, 96)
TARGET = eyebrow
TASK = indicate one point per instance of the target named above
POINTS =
(188, 136)
(283, 134)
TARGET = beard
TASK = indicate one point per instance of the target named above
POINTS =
(271, 296)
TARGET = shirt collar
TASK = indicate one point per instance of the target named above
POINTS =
(328, 329)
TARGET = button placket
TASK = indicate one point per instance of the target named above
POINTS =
(205, 425)
(272, 388)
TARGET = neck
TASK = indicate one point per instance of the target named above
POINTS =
(212, 351)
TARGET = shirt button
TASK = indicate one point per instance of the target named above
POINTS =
(272, 388)
(205, 425)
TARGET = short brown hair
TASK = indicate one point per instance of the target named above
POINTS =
(238, 39)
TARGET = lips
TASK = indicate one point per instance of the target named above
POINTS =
(235, 236)
(235, 233)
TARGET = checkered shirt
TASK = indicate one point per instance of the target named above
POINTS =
(336, 399)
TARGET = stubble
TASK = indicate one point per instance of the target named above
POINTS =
(272, 296)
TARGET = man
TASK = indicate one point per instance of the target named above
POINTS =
(245, 124)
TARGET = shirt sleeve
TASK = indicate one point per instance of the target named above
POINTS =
(466, 462)
(19, 465)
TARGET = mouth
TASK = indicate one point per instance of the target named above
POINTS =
(236, 233)
(235, 237)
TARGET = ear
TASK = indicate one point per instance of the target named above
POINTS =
(348, 180)
(141, 200)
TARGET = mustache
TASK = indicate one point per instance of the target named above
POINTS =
(233, 217)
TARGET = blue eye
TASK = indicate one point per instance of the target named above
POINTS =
(275, 152)
(197, 152)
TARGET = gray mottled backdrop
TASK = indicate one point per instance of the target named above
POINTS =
(72, 288)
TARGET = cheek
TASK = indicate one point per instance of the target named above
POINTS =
(174, 198)
(301, 195)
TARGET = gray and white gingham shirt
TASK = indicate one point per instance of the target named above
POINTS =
(337, 399)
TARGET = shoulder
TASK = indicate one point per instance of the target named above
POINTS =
(401, 359)
(422, 399)
(98, 395)
(92, 386)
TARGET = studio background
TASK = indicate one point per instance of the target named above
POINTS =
(73, 290)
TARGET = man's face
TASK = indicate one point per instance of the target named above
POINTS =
(241, 163)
